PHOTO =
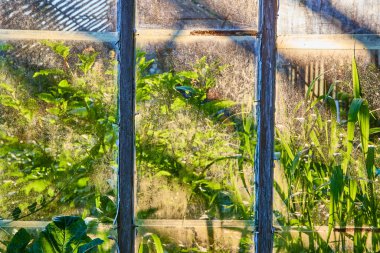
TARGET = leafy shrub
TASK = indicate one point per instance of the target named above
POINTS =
(66, 234)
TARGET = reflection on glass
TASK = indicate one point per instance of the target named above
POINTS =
(58, 130)
(195, 139)
(59, 15)
(212, 14)
(194, 239)
(327, 135)
(321, 240)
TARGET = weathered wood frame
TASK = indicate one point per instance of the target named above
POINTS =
(266, 80)
(126, 80)
(266, 69)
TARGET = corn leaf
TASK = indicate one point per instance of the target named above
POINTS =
(355, 79)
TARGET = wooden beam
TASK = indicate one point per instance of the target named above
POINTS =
(195, 223)
(126, 57)
(196, 32)
(264, 156)
(329, 42)
(57, 35)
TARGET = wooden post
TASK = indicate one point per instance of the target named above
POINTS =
(266, 75)
(126, 78)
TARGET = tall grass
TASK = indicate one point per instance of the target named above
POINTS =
(330, 174)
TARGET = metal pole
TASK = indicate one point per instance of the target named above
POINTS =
(266, 75)
(126, 78)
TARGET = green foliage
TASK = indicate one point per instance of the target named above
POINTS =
(63, 121)
(329, 170)
(19, 242)
(182, 97)
(69, 107)
(66, 234)
(151, 243)
(59, 48)
(70, 116)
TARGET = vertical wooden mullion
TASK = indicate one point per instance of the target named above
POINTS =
(266, 75)
(126, 79)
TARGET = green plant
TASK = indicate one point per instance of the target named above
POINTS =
(201, 144)
(66, 125)
(71, 106)
(329, 167)
(179, 122)
(66, 234)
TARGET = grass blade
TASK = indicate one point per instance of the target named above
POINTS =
(355, 79)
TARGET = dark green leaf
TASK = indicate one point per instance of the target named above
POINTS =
(19, 242)
(91, 246)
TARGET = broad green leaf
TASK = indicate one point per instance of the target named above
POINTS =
(87, 61)
(80, 111)
(46, 72)
(47, 97)
(222, 103)
(19, 242)
(66, 234)
(355, 79)
(157, 243)
(82, 182)
(64, 84)
(370, 163)
(178, 104)
(354, 109)
(35, 185)
(91, 246)
(352, 119)
(53, 110)
(190, 91)
(163, 173)
(188, 74)
(353, 189)
(336, 190)
(363, 117)
(58, 47)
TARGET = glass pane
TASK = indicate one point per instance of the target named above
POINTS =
(213, 14)
(58, 130)
(195, 239)
(195, 130)
(329, 17)
(288, 240)
(60, 15)
(327, 173)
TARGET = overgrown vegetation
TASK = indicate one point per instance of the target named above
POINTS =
(66, 234)
(194, 150)
(331, 177)
(58, 136)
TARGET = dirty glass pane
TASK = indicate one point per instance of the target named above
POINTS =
(200, 238)
(303, 240)
(58, 130)
(327, 131)
(329, 17)
(182, 14)
(195, 137)
(59, 15)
